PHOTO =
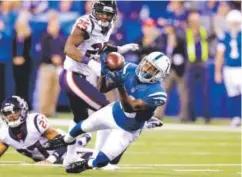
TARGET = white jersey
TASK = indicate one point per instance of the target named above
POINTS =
(94, 43)
(30, 142)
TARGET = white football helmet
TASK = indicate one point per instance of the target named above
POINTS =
(233, 20)
(153, 67)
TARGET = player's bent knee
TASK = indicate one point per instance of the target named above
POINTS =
(101, 160)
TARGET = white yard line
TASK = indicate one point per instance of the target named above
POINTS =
(195, 170)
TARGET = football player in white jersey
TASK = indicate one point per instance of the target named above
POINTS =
(88, 39)
(26, 132)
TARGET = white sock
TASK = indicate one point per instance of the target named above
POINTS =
(102, 136)
(90, 162)
(68, 138)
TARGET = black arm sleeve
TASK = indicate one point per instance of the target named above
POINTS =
(110, 48)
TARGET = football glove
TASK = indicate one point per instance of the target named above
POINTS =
(128, 47)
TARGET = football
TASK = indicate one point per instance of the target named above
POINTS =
(114, 61)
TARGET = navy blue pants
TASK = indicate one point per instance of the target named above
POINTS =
(82, 94)
(197, 79)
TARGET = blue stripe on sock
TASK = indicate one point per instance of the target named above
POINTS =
(77, 130)
(101, 160)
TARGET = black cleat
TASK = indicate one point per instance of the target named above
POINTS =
(56, 143)
(78, 167)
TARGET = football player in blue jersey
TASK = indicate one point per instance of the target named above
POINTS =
(140, 93)
(229, 58)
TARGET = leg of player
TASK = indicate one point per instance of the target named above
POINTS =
(117, 142)
(100, 120)
(100, 141)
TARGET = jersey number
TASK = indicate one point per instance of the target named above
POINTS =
(97, 48)
(234, 53)
(83, 24)
(43, 123)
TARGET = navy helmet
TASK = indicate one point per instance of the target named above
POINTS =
(17, 107)
(107, 8)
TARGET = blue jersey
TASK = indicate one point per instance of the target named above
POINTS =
(232, 49)
(151, 93)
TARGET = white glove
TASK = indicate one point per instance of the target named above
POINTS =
(127, 47)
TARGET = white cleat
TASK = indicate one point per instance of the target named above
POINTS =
(110, 167)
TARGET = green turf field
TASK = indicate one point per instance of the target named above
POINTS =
(157, 153)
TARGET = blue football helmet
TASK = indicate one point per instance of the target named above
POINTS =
(14, 111)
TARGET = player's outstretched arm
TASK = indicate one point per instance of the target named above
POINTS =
(50, 133)
(73, 41)
(3, 148)
(129, 104)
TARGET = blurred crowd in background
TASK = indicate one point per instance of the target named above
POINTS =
(33, 34)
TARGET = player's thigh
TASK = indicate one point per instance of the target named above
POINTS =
(78, 107)
(78, 85)
(232, 81)
(118, 141)
(100, 120)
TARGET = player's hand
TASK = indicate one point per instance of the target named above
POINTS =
(115, 78)
(218, 77)
(18, 60)
(128, 47)
(104, 69)
(43, 162)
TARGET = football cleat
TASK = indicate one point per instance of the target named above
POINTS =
(57, 142)
(78, 167)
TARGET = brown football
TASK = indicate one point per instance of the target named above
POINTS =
(114, 61)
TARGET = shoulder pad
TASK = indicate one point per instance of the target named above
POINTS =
(41, 123)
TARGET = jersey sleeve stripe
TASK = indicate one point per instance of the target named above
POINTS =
(158, 94)
(125, 68)
(35, 123)
(160, 98)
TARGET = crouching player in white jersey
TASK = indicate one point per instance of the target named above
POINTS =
(140, 93)
(26, 132)
(229, 58)
(89, 37)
